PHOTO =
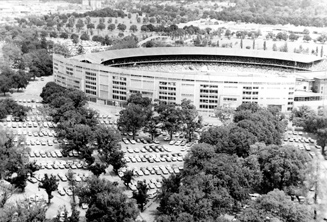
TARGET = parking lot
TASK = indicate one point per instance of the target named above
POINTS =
(302, 141)
(150, 163)
(149, 160)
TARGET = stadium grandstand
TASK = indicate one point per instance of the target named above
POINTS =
(209, 77)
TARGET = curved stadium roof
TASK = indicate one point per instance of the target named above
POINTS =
(101, 57)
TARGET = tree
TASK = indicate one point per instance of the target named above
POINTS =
(111, 27)
(275, 204)
(307, 38)
(282, 36)
(25, 210)
(64, 35)
(127, 177)
(72, 184)
(274, 48)
(53, 34)
(97, 169)
(90, 26)
(306, 32)
(207, 189)
(49, 89)
(101, 26)
(80, 49)
(282, 167)
(85, 37)
(133, 118)
(116, 160)
(228, 33)
(170, 117)
(87, 20)
(49, 184)
(7, 190)
(284, 48)
(106, 202)
(322, 139)
(79, 25)
(190, 118)
(322, 38)
(19, 80)
(151, 126)
(4, 84)
(138, 99)
(224, 114)
(293, 37)
(78, 137)
(140, 195)
(133, 28)
(121, 27)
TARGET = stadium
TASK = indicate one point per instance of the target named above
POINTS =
(209, 77)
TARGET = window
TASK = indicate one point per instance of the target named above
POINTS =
(90, 87)
(90, 92)
(247, 87)
(92, 83)
(90, 74)
(90, 78)
(230, 99)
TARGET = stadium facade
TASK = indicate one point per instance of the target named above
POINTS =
(105, 79)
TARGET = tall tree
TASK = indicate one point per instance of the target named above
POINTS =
(170, 117)
(49, 184)
(106, 202)
(133, 118)
(190, 118)
(282, 167)
(277, 205)
(140, 195)
(97, 169)
(128, 177)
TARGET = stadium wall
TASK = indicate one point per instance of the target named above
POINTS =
(112, 86)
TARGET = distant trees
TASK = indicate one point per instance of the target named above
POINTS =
(64, 35)
(133, 28)
(307, 38)
(79, 25)
(121, 27)
(111, 27)
(85, 37)
(101, 26)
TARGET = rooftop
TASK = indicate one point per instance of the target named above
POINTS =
(100, 57)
